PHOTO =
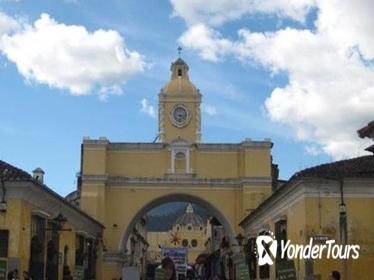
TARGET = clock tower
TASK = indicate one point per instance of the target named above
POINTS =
(179, 107)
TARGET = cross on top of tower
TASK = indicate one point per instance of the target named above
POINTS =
(179, 51)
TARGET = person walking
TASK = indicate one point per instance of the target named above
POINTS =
(334, 275)
(13, 275)
(169, 269)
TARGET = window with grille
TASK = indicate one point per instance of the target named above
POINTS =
(38, 227)
(4, 242)
(280, 235)
(251, 257)
(79, 250)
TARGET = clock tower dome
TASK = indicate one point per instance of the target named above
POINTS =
(179, 107)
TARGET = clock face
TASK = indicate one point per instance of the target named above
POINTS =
(180, 115)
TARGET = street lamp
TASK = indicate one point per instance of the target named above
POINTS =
(343, 231)
(3, 206)
(240, 238)
(58, 223)
(342, 210)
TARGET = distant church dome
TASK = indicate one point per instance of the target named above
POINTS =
(180, 82)
(190, 218)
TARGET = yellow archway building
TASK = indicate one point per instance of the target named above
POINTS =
(121, 182)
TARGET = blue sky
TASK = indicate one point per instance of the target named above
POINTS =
(250, 85)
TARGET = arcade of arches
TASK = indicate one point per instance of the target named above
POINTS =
(121, 182)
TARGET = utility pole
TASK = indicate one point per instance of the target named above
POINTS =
(343, 224)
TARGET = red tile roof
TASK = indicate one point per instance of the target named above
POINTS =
(9, 172)
(355, 167)
(360, 167)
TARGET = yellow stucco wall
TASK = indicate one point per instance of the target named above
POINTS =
(17, 219)
(94, 201)
(360, 231)
(312, 216)
(212, 163)
(95, 161)
(134, 162)
(257, 162)
(215, 164)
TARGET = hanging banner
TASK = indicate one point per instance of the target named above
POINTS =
(242, 272)
(286, 270)
(179, 258)
(79, 273)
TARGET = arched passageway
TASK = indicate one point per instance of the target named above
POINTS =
(179, 197)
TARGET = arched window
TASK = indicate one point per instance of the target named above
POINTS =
(180, 156)
(194, 243)
(66, 255)
(185, 243)
(180, 162)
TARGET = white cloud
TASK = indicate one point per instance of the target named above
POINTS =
(348, 23)
(70, 57)
(8, 24)
(208, 42)
(312, 150)
(216, 12)
(147, 108)
(209, 109)
(330, 70)
(104, 92)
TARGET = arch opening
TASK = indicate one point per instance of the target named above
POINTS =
(211, 210)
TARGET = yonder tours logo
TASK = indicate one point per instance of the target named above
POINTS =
(267, 249)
